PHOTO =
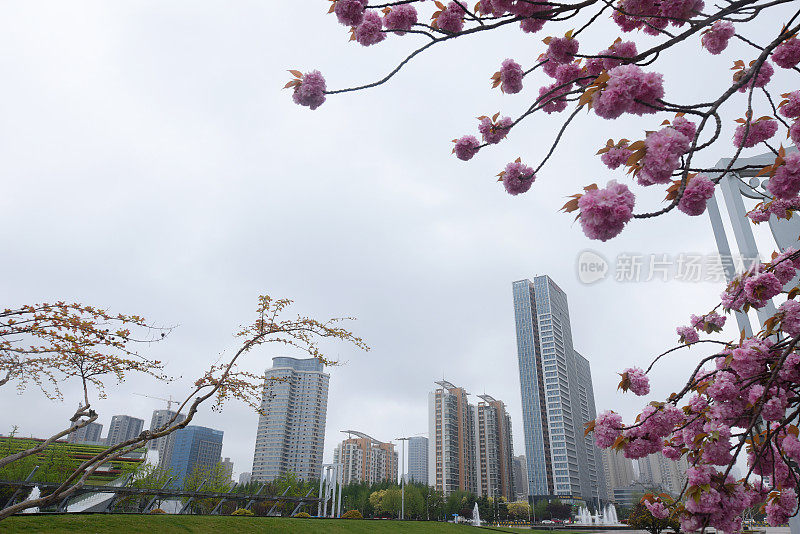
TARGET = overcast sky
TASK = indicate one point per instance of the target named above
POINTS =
(153, 165)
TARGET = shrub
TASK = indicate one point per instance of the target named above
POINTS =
(352, 514)
(302, 515)
(242, 511)
(157, 511)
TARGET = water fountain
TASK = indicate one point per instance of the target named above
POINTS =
(35, 494)
(584, 517)
(610, 515)
(476, 516)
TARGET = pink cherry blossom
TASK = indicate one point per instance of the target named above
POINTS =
(615, 157)
(552, 98)
(562, 49)
(791, 108)
(790, 323)
(696, 195)
(758, 132)
(663, 150)
(400, 18)
(466, 147)
(511, 77)
(785, 183)
(787, 54)
(350, 12)
(622, 49)
(607, 428)
(451, 19)
(567, 72)
(493, 132)
(658, 509)
(761, 287)
(712, 319)
(640, 383)
(716, 39)
(311, 91)
(518, 178)
(794, 132)
(684, 126)
(604, 212)
(687, 334)
(628, 90)
(761, 79)
(370, 31)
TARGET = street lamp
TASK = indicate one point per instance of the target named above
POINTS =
(403, 478)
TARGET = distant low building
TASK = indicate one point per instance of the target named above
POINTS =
(244, 478)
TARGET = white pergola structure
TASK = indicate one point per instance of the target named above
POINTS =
(330, 490)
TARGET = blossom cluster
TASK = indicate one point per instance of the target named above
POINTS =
(604, 212)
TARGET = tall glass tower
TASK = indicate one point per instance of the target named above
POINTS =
(557, 396)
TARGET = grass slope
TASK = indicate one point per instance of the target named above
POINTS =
(166, 524)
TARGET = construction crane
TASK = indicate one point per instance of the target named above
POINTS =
(169, 401)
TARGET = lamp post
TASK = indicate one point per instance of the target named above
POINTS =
(403, 478)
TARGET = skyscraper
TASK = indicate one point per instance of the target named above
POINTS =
(658, 470)
(160, 417)
(451, 452)
(365, 459)
(88, 434)
(618, 470)
(418, 459)
(123, 428)
(192, 447)
(291, 429)
(557, 396)
(494, 449)
(520, 478)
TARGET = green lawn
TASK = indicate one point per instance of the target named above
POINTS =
(161, 524)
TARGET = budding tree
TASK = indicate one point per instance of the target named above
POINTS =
(743, 397)
(48, 344)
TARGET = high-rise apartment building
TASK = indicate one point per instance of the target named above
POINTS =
(244, 478)
(418, 459)
(190, 448)
(658, 470)
(520, 478)
(123, 428)
(618, 470)
(88, 434)
(451, 455)
(493, 449)
(160, 417)
(365, 459)
(291, 428)
(557, 396)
